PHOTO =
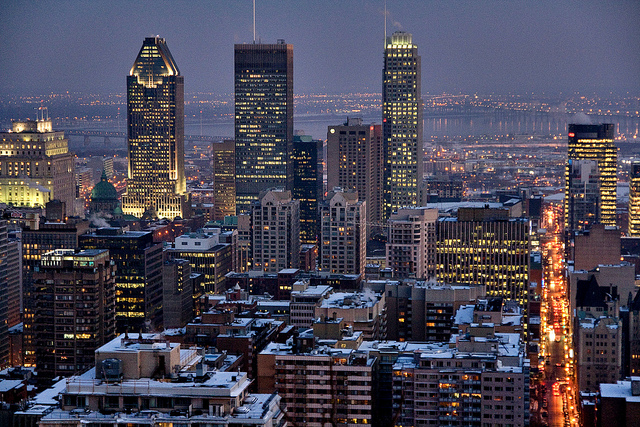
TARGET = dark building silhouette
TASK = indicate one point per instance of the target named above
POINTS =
(138, 275)
(155, 122)
(74, 310)
(263, 119)
(307, 184)
(54, 233)
(223, 161)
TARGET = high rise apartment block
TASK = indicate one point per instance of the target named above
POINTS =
(36, 166)
(593, 142)
(155, 132)
(343, 243)
(355, 160)
(51, 235)
(411, 245)
(74, 313)
(263, 119)
(320, 385)
(402, 122)
(483, 381)
(275, 223)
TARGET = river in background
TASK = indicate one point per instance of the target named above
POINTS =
(450, 127)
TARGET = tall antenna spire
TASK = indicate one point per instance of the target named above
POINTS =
(385, 22)
(254, 21)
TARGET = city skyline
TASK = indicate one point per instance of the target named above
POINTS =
(466, 46)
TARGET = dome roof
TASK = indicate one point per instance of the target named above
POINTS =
(104, 190)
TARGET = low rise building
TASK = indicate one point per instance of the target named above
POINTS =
(304, 300)
(144, 379)
(619, 403)
(364, 311)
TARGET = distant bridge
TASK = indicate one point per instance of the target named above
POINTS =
(88, 134)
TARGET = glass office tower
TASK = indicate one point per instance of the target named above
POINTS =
(155, 110)
(263, 119)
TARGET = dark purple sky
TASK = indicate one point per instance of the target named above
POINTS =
(486, 46)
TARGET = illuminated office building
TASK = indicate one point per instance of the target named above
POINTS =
(634, 200)
(138, 275)
(74, 311)
(155, 112)
(354, 162)
(485, 246)
(223, 162)
(594, 142)
(307, 188)
(401, 123)
(36, 165)
(263, 119)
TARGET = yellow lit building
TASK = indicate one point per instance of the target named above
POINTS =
(594, 142)
(402, 122)
(155, 108)
(634, 201)
(36, 166)
(485, 246)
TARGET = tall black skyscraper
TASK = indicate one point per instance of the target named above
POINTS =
(402, 122)
(155, 120)
(263, 119)
(307, 188)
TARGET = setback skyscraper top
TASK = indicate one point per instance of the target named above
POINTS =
(402, 122)
(593, 142)
(155, 112)
(263, 119)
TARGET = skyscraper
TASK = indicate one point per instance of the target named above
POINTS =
(263, 119)
(155, 113)
(354, 162)
(594, 142)
(634, 200)
(583, 192)
(402, 122)
(223, 162)
(307, 188)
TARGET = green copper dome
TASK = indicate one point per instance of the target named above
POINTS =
(104, 190)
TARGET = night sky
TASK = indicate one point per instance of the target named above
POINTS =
(481, 46)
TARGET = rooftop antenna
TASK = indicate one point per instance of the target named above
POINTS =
(254, 21)
(385, 23)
